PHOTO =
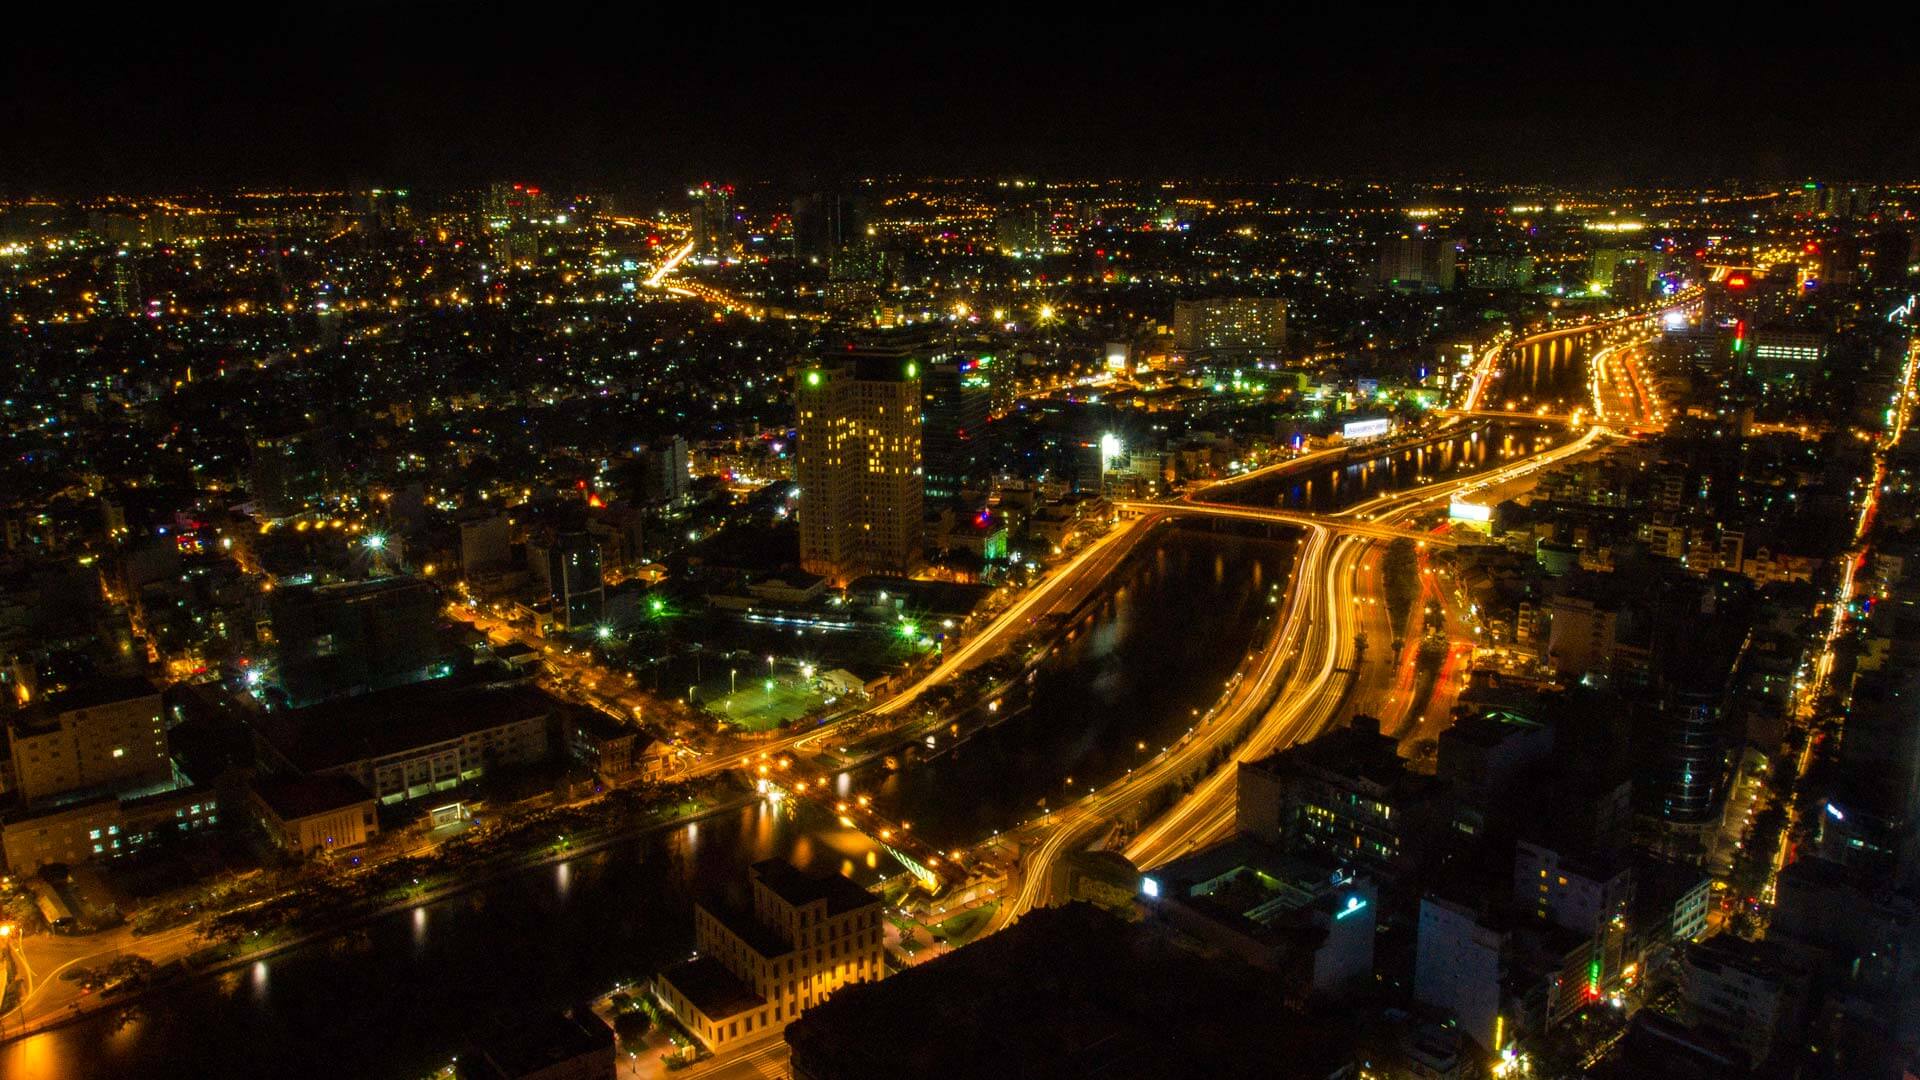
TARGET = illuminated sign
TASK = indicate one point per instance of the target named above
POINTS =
(1366, 429)
(1354, 904)
(1149, 888)
(1461, 510)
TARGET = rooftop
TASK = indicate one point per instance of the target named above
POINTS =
(373, 725)
(1068, 992)
(292, 798)
(799, 888)
(541, 1043)
(106, 690)
(713, 989)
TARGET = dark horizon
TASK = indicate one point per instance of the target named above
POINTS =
(351, 95)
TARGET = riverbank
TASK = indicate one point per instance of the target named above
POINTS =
(253, 951)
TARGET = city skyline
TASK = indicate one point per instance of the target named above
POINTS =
(1377, 544)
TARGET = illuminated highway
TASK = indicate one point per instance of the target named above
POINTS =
(1300, 671)
(1062, 590)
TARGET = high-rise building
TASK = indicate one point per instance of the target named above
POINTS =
(957, 400)
(1631, 284)
(825, 222)
(573, 575)
(859, 467)
(1419, 263)
(1023, 230)
(1603, 264)
(356, 637)
(485, 543)
(1233, 324)
(1890, 252)
(713, 231)
(1494, 270)
(664, 476)
(293, 471)
(1346, 795)
(1460, 966)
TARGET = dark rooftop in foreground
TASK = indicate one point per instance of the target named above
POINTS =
(1067, 992)
(549, 1044)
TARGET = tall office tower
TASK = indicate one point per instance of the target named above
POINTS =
(824, 222)
(859, 463)
(509, 222)
(126, 284)
(957, 399)
(1421, 263)
(1838, 260)
(1887, 260)
(573, 575)
(1233, 324)
(664, 476)
(1024, 230)
(1602, 263)
(712, 218)
(1631, 283)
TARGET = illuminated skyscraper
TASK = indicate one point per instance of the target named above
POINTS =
(957, 402)
(713, 219)
(858, 422)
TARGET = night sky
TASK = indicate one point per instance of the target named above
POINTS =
(628, 96)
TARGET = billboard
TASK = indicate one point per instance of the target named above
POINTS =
(1461, 510)
(1356, 430)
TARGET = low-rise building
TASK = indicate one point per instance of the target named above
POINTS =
(616, 752)
(1749, 992)
(315, 814)
(1311, 924)
(756, 971)
(574, 1045)
(1346, 796)
(1068, 992)
(104, 827)
(414, 741)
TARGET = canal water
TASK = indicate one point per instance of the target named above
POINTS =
(400, 997)
(1137, 670)
(1325, 487)
(1553, 373)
